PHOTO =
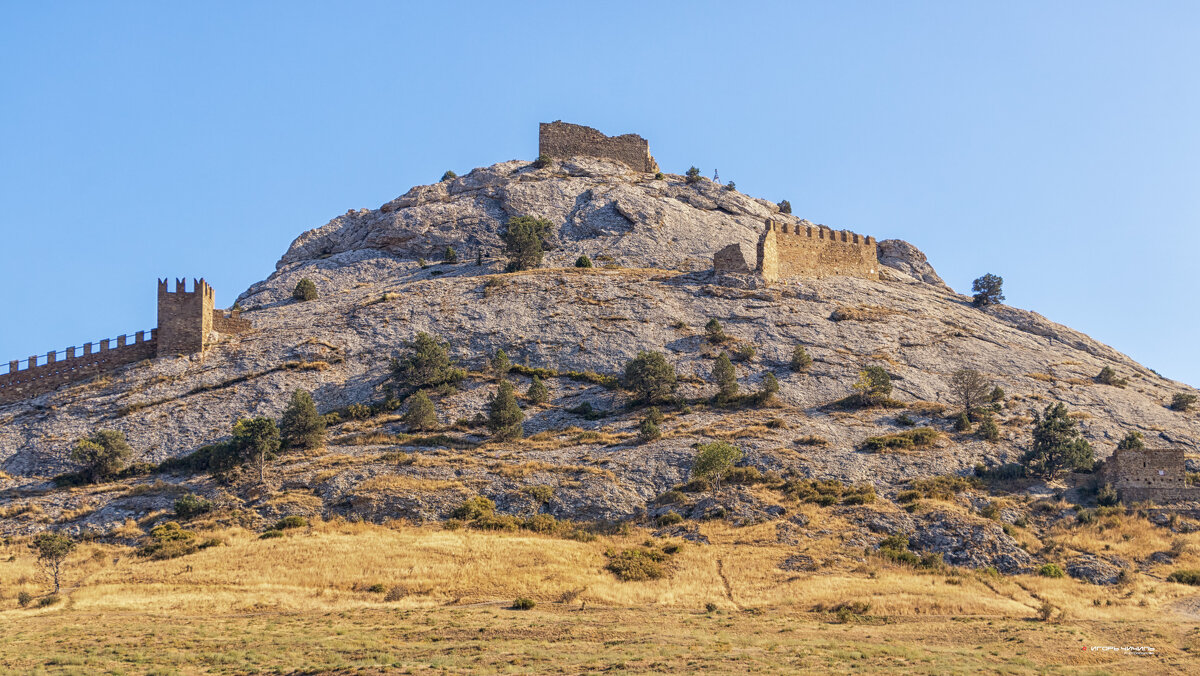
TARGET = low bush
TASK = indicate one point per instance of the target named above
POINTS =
(542, 161)
(669, 519)
(941, 487)
(449, 176)
(905, 420)
(828, 492)
(1182, 401)
(583, 262)
(271, 534)
(1108, 376)
(473, 508)
(1050, 570)
(637, 564)
(168, 541)
(1107, 496)
(1183, 576)
(1006, 472)
(305, 290)
(192, 505)
(920, 437)
(523, 603)
(293, 521)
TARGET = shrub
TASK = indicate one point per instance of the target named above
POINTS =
(52, 550)
(669, 519)
(1184, 576)
(785, 207)
(915, 438)
(1050, 570)
(583, 262)
(587, 411)
(47, 601)
(540, 523)
(301, 425)
(962, 423)
(305, 290)
(1005, 472)
(997, 394)
(650, 377)
(287, 522)
(988, 429)
(102, 454)
(800, 359)
(714, 332)
(714, 460)
(537, 392)
(267, 535)
(504, 415)
(633, 565)
(941, 487)
(1131, 442)
(474, 508)
(988, 290)
(192, 505)
(421, 413)
(500, 364)
(450, 255)
(744, 352)
(770, 387)
(1182, 401)
(1107, 496)
(725, 377)
(1108, 376)
(426, 364)
(905, 420)
(523, 603)
(648, 431)
(811, 440)
(658, 176)
(1058, 445)
(256, 441)
(449, 176)
(542, 161)
(731, 186)
(24, 598)
(525, 240)
(168, 541)
(692, 175)
(873, 386)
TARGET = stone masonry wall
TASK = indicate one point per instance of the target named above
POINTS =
(805, 250)
(76, 364)
(1157, 475)
(184, 318)
(562, 140)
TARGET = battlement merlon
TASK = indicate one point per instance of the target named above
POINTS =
(563, 140)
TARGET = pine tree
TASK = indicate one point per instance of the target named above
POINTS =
(525, 240)
(770, 387)
(301, 425)
(421, 413)
(714, 331)
(650, 377)
(500, 363)
(102, 454)
(427, 364)
(504, 415)
(988, 290)
(725, 376)
(537, 393)
(800, 359)
(305, 290)
(450, 256)
(1058, 445)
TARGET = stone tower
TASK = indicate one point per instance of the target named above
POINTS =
(184, 318)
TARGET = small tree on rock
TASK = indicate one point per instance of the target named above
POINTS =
(725, 377)
(583, 262)
(52, 550)
(525, 240)
(1058, 446)
(305, 290)
(102, 454)
(537, 393)
(500, 364)
(800, 359)
(450, 256)
(785, 207)
(650, 377)
(988, 429)
(971, 389)
(714, 331)
(873, 386)
(1131, 442)
(504, 415)
(301, 425)
(426, 364)
(713, 462)
(421, 413)
(257, 443)
(692, 175)
(542, 161)
(449, 175)
(648, 429)
(770, 387)
(1182, 401)
(988, 290)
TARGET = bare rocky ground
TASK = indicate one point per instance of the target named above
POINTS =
(652, 240)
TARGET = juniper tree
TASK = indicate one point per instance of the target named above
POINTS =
(785, 207)
(504, 415)
(714, 331)
(256, 441)
(450, 256)
(1058, 445)
(583, 262)
(650, 377)
(692, 175)
(102, 454)
(421, 414)
(1131, 442)
(500, 364)
(988, 429)
(725, 377)
(537, 392)
(301, 425)
(988, 290)
(800, 359)
(770, 387)
(525, 240)
(305, 290)
(426, 364)
(449, 175)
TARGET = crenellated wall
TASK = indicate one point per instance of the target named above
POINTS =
(563, 140)
(1153, 474)
(184, 318)
(787, 250)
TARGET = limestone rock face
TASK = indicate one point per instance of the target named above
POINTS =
(908, 259)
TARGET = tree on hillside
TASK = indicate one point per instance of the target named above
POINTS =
(724, 375)
(537, 393)
(692, 175)
(450, 255)
(500, 363)
(714, 331)
(800, 359)
(650, 377)
(525, 240)
(305, 290)
(257, 443)
(988, 290)
(713, 462)
(301, 425)
(971, 389)
(102, 454)
(52, 550)
(873, 386)
(421, 414)
(426, 364)
(785, 207)
(1131, 442)
(504, 415)
(1058, 446)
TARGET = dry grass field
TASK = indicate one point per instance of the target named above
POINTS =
(359, 598)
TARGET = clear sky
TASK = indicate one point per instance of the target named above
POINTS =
(1054, 143)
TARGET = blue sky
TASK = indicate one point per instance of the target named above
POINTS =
(1055, 144)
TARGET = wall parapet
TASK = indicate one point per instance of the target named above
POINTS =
(803, 249)
(1150, 474)
(42, 373)
(564, 140)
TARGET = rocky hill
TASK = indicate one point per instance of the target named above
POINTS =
(380, 281)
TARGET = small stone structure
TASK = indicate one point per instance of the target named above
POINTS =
(731, 259)
(186, 324)
(563, 140)
(1155, 475)
(806, 250)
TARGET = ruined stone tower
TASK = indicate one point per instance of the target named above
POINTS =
(184, 318)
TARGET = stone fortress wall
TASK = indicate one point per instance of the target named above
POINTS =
(788, 250)
(186, 322)
(1157, 475)
(563, 140)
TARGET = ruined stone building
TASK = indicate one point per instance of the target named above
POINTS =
(804, 250)
(1154, 474)
(187, 323)
(562, 140)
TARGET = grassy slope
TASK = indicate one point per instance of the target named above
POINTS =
(301, 602)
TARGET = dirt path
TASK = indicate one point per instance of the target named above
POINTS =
(725, 582)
